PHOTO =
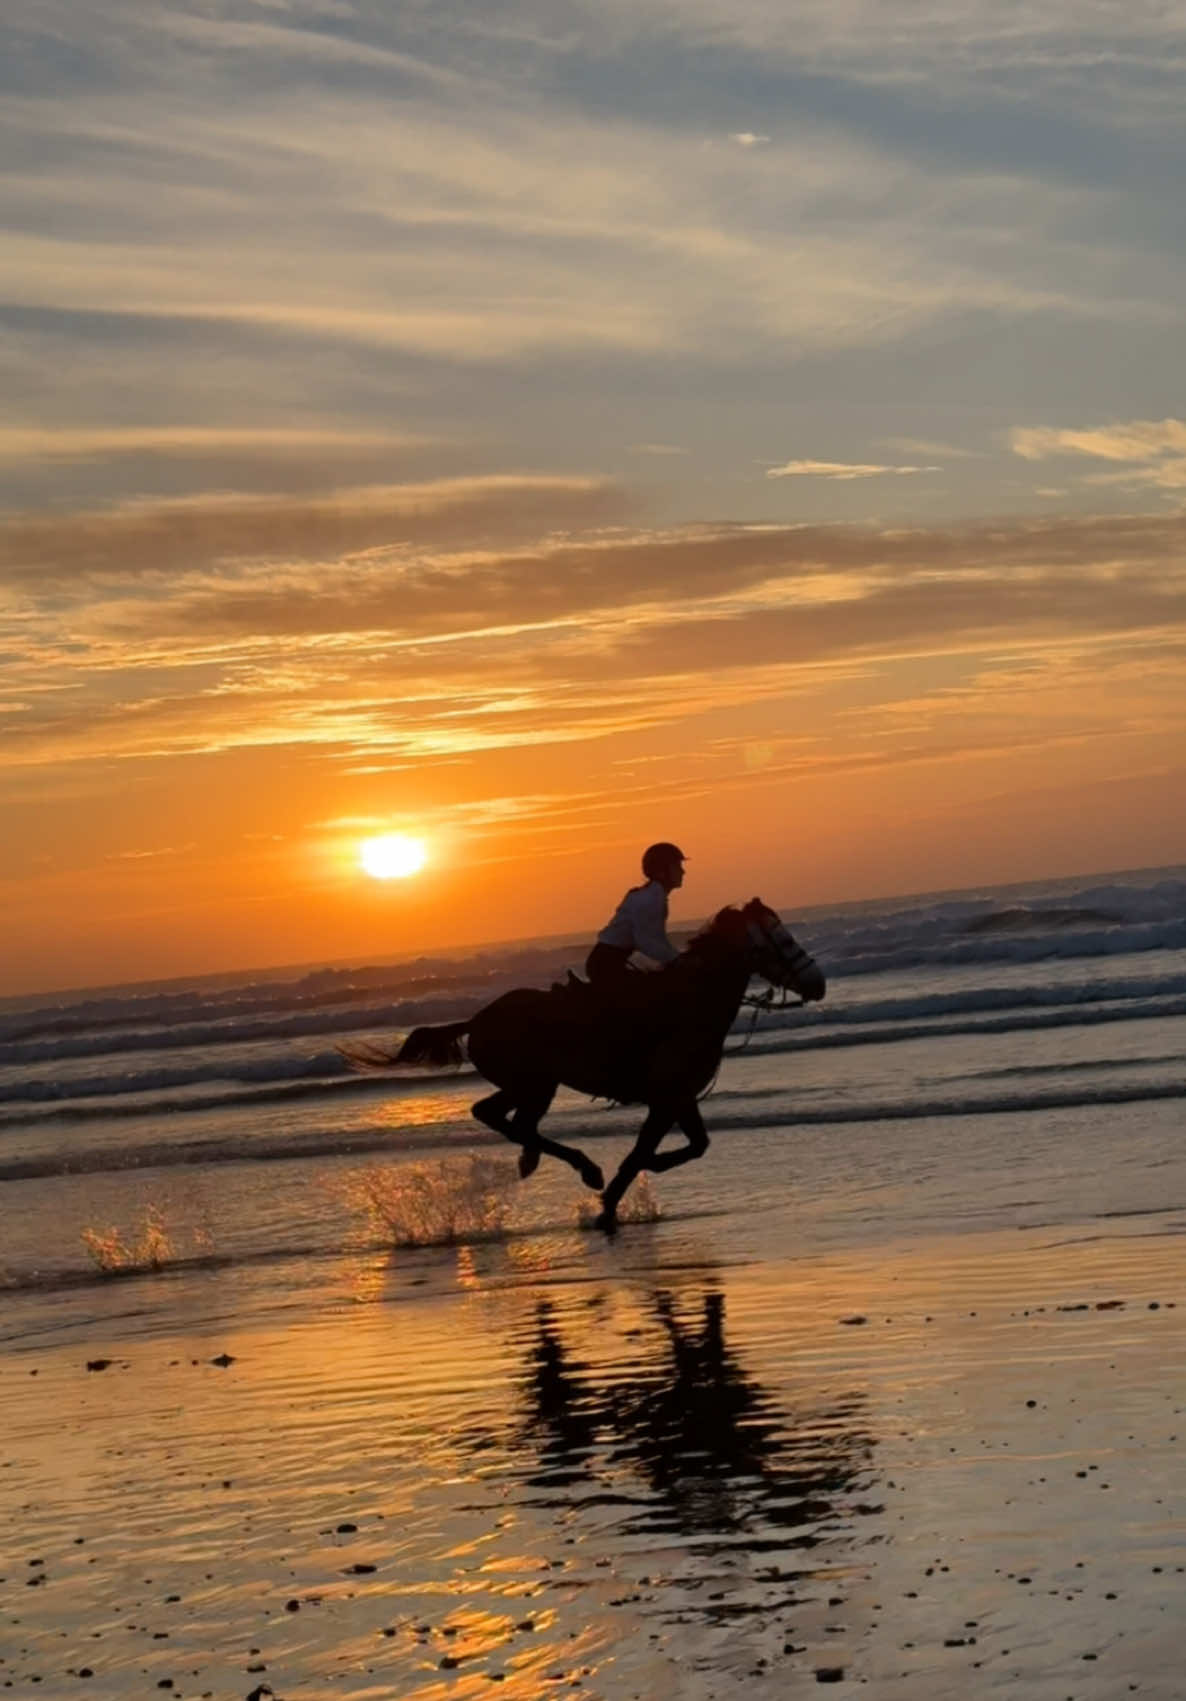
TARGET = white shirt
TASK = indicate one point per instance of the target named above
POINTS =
(640, 923)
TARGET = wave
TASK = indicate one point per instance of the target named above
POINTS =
(222, 1032)
(334, 1144)
(1070, 920)
(867, 1029)
(985, 949)
(98, 1024)
(117, 1109)
(213, 1082)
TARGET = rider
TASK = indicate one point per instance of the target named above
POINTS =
(640, 921)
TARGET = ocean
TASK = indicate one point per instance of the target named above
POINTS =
(221, 1109)
(331, 1291)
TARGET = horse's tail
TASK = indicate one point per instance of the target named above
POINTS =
(437, 1047)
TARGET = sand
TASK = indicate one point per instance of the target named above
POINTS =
(556, 1465)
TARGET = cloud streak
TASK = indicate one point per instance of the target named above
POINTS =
(843, 470)
(170, 538)
(420, 650)
(24, 443)
(1152, 451)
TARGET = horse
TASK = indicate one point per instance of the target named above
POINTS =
(656, 1041)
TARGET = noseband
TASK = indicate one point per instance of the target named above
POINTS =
(769, 936)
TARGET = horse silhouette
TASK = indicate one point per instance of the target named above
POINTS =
(657, 1041)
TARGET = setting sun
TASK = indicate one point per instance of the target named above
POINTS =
(392, 856)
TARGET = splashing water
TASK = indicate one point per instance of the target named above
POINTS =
(639, 1206)
(436, 1204)
(147, 1247)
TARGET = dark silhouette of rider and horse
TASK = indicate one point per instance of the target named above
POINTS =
(653, 1039)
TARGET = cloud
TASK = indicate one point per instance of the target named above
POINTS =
(1135, 440)
(748, 139)
(1153, 451)
(19, 443)
(843, 470)
(442, 653)
(319, 47)
(149, 855)
(925, 446)
(173, 537)
(500, 232)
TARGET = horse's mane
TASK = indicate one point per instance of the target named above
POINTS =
(705, 942)
(716, 926)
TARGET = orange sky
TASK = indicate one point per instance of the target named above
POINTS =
(501, 438)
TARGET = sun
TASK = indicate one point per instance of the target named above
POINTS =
(392, 856)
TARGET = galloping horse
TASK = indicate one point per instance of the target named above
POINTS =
(659, 1047)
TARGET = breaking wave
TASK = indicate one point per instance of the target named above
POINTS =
(209, 1080)
(1076, 954)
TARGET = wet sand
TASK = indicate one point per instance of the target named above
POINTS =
(554, 1465)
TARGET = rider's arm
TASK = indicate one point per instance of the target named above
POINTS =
(650, 924)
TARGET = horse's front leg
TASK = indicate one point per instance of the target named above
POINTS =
(639, 1157)
(692, 1124)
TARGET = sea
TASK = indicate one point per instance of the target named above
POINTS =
(306, 1395)
(217, 1120)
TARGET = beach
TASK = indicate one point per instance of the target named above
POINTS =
(304, 1393)
(638, 1468)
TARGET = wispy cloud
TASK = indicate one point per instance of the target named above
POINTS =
(1133, 440)
(20, 443)
(150, 855)
(1153, 451)
(843, 470)
(387, 655)
(927, 447)
(169, 538)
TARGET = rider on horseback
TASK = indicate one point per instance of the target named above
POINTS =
(640, 921)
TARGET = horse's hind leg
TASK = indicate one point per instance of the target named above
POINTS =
(530, 1102)
(525, 1129)
(639, 1157)
(494, 1111)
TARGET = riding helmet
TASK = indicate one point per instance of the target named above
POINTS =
(658, 857)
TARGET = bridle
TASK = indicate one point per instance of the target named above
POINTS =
(768, 936)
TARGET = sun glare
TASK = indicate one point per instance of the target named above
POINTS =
(392, 856)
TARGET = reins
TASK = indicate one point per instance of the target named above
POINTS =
(771, 999)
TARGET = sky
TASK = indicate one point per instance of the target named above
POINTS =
(547, 426)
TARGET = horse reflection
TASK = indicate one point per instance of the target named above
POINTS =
(714, 1452)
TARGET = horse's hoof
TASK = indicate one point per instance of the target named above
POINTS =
(528, 1161)
(592, 1176)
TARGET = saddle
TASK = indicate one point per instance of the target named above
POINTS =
(626, 1001)
(622, 1022)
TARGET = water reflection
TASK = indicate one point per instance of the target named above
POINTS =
(675, 1430)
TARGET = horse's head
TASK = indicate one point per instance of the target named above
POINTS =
(772, 951)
